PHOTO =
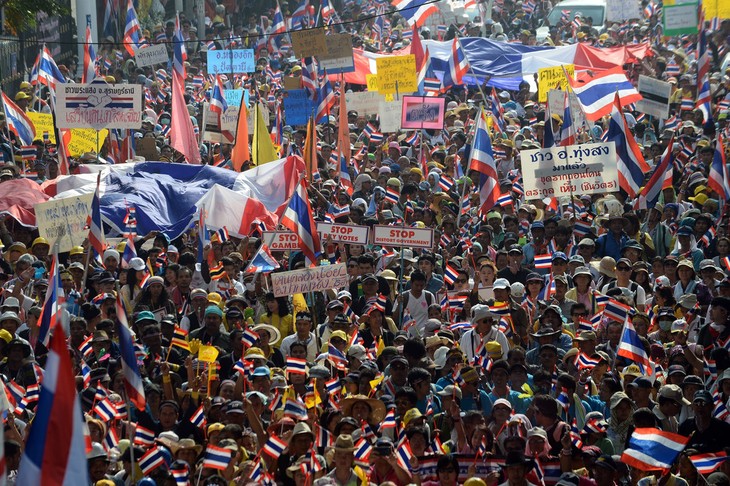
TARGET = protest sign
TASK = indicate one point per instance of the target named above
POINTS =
(390, 114)
(281, 240)
(207, 354)
(346, 233)
(363, 102)
(679, 19)
(552, 78)
(372, 81)
(310, 280)
(656, 97)
(556, 100)
(229, 121)
(231, 61)
(147, 148)
(297, 107)
(422, 112)
(63, 221)
(85, 140)
(99, 105)
(573, 170)
(235, 96)
(402, 236)
(149, 56)
(621, 10)
(338, 58)
(291, 82)
(396, 74)
(43, 123)
(309, 42)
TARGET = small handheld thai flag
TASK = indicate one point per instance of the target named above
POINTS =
(333, 386)
(222, 235)
(216, 457)
(450, 274)
(404, 454)
(198, 418)
(296, 365)
(709, 462)
(446, 183)
(651, 448)
(585, 362)
(505, 200)
(111, 439)
(295, 409)
(249, 338)
(544, 262)
(106, 410)
(181, 474)
(389, 421)
(151, 460)
(274, 446)
(143, 436)
(85, 373)
(575, 435)
(363, 450)
(391, 195)
(564, 399)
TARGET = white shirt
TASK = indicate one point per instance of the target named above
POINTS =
(471, 340)
(312, 350)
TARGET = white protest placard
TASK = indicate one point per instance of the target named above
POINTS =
(679, 19)
(390, 115)
(656, 97)
(620, 10)
(281, 240)
(556, 100)
(229, 119)
(149, 56)
(402, 236)
(346, 233)
(364, 102)
(99, 105)
(310, 280)
(63, 221)
(589, 168)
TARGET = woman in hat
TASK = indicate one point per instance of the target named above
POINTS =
(155, 298)
(687, 282)
(268, 337)
(375, 327)
(278, 314)
(686, 246)
(621, 421)
(362, 408)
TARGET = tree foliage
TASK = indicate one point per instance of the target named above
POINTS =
(21, 14)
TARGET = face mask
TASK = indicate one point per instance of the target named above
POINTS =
(665, 325)
(250, 286)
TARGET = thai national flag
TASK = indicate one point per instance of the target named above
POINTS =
(18, 121)
(131, 30)
(719, 181)
(389, 421)
(631, 163)
(152, 459)
(296, 365)
(597, 94)
(143, 436)
(363, 450)
(567, 130)
(630, 346)
(105, 409)
(404, 454)
(458, 66)
(216, 457)
(482, 161)
(181, 474)
(617, 310)
(709, 462)
(543, 262)
(274, 446)
(653, 449)
(650, 194)
(505, 200)
(132, 379)
(450, 274)
(585, 362)
(198, 418)
(298, 218)
(295, 409)
(49, 311)
(45, 71)
(415, 11)
(446, 183)
(392, 195)
(263, 261)
(672, 68)
(333, 386)
(371, 133)
(564, 399)
(218, 99)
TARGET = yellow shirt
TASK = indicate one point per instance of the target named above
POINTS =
(285, 324)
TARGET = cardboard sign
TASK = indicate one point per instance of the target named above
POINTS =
(291, 82)
(297, 107)
(363, 102)
(149, 56)
(553, 78)
(281, 240)
(43, 123)
(346, 233)
(422, 112)
(147, 148)
(402, 236)
(576, 169)
(390, 115)
(680, 19)
(339, 58)
(310, 280)
(656, 97)
(63, 221)
(85, 140)
(229, 121)
(310, 42)
(620, 10)
(397, 74)
(99, 105)
(556, 100)
(231, 61)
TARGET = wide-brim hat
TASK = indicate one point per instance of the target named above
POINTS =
(344, 443)
(377, 407)
(545, 332)
(274, 334)
(517, 458)
(186, 444)
(609, 218)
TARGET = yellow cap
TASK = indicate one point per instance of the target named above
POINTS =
(26, 85)
(338, 334)
(700, 198)
(215, 427)
(411, 414)
(494, 349)
(76, 250)
(214, 298)
(21, 96)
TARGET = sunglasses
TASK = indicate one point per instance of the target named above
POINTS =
(459, 280)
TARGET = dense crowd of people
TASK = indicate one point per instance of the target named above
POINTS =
(533, 343)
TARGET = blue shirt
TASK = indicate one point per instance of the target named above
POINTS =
(606, 245)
